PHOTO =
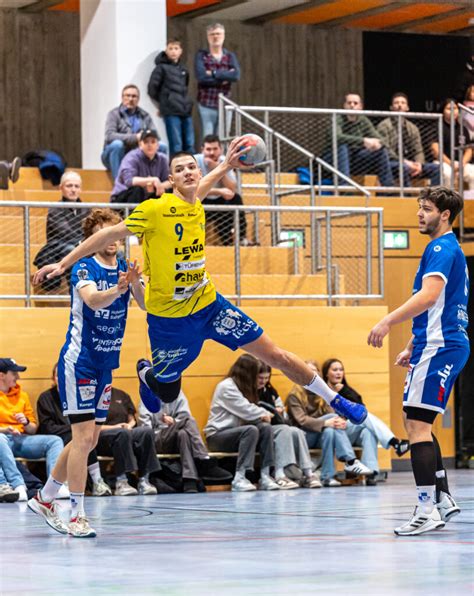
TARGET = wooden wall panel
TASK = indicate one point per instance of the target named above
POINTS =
(40, 84)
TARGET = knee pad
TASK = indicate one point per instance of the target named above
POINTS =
(167, 392)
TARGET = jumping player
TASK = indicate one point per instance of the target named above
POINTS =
(183, 306)
(435, 354)
(100, 292)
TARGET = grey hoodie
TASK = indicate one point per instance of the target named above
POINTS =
(178, 407)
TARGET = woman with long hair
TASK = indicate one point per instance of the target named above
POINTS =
(237, 423)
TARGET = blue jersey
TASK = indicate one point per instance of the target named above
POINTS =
(445, 323)
(94, 337)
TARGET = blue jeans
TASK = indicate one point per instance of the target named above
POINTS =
(362, 436)
(180, 133)
(113, 153)
(428, 170)
(209, 120)
(362, 161)
(29, 447)
(331, 441)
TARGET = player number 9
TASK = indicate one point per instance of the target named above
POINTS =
(179, 231)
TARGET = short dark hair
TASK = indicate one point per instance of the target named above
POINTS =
(446, 102)
(180, 154)
(399, 94)
(353, 93)
(211, 139)
(444, 199)
(175, 41)
(130, 86)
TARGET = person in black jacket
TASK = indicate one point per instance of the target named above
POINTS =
(168, 86)
(53, 422)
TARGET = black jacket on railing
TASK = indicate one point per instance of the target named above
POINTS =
(168, 86)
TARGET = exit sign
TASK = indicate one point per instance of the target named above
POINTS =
(396, 239)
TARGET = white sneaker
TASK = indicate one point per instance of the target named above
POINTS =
(7, 494)
(101, 489)
(22, 494)
(358, 468)
(421, 523)
(267, 483)
(447, 507)
(331, 483)
(80, 528)
(242, 485)
(63, 493)
(49, 512)
(311, 482)
(286, 484)
(123, 489)
(145, 488)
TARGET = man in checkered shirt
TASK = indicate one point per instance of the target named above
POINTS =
(216, 69)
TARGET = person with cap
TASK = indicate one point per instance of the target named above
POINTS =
(18, 428)
(123, 127)
(143, 173)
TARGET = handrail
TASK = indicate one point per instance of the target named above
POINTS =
(382, 113)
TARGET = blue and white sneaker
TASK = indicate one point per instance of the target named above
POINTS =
(151, 402)
(354, 412)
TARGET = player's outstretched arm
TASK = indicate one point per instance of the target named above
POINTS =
(134, 278)
(96, 299)
(91, 245)
(414, 306)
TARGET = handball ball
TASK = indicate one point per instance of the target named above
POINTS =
(258, 150)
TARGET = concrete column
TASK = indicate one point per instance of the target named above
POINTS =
(119, 42)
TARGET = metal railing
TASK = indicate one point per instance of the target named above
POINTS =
(345, 243)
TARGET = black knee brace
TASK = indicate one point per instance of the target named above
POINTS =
(167, 392)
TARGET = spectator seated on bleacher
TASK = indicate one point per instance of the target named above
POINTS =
(143, 173)
(132, 447)
(18, 428)
(414, 164)
(292, 457)
(63, 228)
(123, 128)
(236, 423)
(53, 422)
(176, 431)
(360, 149)
(223, 193)
(9, 171)
(324, 430)
(334, 375)
(445, 159)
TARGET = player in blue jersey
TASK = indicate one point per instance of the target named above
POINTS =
(100, 293)
(435, 354)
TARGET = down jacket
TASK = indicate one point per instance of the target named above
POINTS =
(168, 86)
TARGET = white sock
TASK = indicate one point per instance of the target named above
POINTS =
(279, 473)
(426, 498)
(308, 472)
(22, 492)
(50, 490)
(240, 474)
(122, 477)
(142, 374)
(77, 505)
(94, 471)
(319, 387)
(265, 472)
(143, 478)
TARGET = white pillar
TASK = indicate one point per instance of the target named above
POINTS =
(119, 42)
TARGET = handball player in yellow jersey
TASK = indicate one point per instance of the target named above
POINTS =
(183, 306)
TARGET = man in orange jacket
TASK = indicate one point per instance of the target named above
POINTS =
(18, 426)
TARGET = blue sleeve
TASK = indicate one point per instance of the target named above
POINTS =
(83, 271)
(439, 259)
(200, 71)
(230, 75)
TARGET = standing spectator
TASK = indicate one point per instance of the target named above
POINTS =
(168, 86)
(132, 447)
(445, 159)
(176, 431)
(143, 173)
(223, 193)
(414, 165)
(123, 128)
(18, 428)
(469, 118)
(216, 69)
(53, 422)
(63, 227)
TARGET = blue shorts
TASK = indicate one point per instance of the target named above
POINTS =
(431, 376)
(176, 343)
(84, 390)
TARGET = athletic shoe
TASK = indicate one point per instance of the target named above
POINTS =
(63, 493)
(286, 484)
(311, 482)
(421, 523)
(242, 485)
(101, 489)
(447, 507)
(358, 468)
(22, 493)
(293, 472)
(49, 512)
(123, 489)
(354, 412)
(209, 471)
(79, 528)
(402, 447)
(331, 483)
(267, 483)
(15, 169)
(371, 480)
(190, 486)
(145, 488)
(149, 399)
(7, 494)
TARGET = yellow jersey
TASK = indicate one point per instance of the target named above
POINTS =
(173, 233)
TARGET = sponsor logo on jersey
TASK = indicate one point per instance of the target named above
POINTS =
(185, 292)
(444, 374)
(172, 209)
(232, 322)
(437, 248)
(190, 265)
(189, 277)
(82, 274)
(104, 401)
(187, 251)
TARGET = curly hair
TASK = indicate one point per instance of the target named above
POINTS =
(99, 217)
